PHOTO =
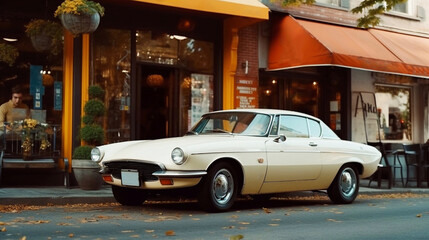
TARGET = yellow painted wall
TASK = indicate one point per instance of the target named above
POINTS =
(230, 42)
(67, 98)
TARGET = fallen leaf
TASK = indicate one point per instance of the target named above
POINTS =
(236, 237)
(64, 224)
(419, 215)
(3, 229)
(229, 227)
(273, 224)
(332, 220)
(170, 233)
(127, 231)
(150, 231)
(266, 210)
(23, 238)
(135, 236)
(71, 235)
(244, 223)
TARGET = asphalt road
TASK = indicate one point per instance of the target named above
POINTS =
(367, 218)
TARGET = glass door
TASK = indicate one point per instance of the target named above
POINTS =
(155, 94)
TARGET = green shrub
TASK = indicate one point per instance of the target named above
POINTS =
(82, 152)
(93, 134)
(94, 107)
(96, 91)
(88, 119)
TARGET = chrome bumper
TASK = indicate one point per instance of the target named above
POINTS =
(179, 174)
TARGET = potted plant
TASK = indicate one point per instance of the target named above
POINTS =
(8, 53)
(45, 35)
(79, 16)
(32, 130)
(92, 134)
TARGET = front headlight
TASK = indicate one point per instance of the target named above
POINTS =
(96, 155)
(178, 156)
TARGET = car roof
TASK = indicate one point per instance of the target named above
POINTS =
(268, 111)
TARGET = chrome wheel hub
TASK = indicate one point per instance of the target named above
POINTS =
(348, 182)
(223, 186)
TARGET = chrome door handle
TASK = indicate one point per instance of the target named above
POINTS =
(313, 144)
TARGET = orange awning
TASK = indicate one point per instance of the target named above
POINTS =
(300, 43)
(241, 8)
(411, 50)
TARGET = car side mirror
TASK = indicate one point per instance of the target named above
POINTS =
(280, 138)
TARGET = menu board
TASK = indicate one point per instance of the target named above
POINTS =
(246, 92)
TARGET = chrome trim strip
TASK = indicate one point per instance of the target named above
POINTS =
(179, 174)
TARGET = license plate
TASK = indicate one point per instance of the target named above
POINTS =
(130, 177)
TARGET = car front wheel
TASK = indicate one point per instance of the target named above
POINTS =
(345, 187)
(128, 196)
(219, 188)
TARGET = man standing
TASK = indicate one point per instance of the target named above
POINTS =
(14, 109)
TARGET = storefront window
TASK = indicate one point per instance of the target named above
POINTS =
(35, 66)
(300, 95)
(189, 60)
(393, 105)
(111, 58)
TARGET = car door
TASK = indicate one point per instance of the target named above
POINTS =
(297, 157)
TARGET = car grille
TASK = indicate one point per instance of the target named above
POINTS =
(145, 169)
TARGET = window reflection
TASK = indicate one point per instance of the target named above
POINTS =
(112, 67)
(393, 105)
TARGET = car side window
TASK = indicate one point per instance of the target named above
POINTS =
(293, 126)
(315, 129)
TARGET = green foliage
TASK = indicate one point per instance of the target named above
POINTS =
(53, 30)
(79, 7)
(92, 134)
(297, 2)
(82, 152)
(88, 119)
(8, 53)
(370, 8)
(96, 92)
(40, 26)
(94, 108)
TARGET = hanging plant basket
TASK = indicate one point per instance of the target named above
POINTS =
(45, 35)
(41, 42)
(78, 24)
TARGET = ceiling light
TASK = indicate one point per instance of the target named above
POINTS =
(10, 39)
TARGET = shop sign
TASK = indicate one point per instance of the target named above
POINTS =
(58, 96)
(246, 93)
(366, 116)
(37, 90)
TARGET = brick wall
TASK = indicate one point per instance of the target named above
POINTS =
(248, 50)
(246, 85)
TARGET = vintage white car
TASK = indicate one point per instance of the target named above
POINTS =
(256, 152)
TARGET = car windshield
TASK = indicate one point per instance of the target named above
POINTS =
(241, 123)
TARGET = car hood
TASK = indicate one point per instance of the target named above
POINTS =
(160, 150)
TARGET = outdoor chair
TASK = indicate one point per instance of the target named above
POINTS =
(425, 161)
(395, 150)
(413, 159)
(384, 169)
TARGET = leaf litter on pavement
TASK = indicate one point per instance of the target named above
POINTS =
(158, 217)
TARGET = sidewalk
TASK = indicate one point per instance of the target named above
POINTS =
(62, 196)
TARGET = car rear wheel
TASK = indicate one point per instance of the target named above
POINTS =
(219, 188)
(128, 196)
(345, 187)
